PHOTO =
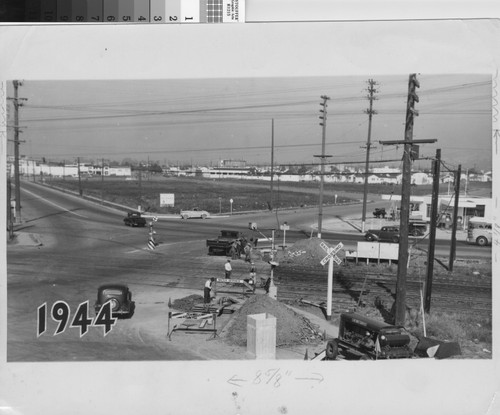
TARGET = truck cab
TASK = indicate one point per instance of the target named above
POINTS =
(223, 243)
(363, 338)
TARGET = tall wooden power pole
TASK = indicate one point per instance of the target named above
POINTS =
(436, 171)
(80, 190)
(410, 153)
(322, 156)
(453, 245)
(400, 315)
(17, 129)
(272, 166)
(370, 111)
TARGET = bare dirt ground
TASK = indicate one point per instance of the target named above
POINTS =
(299, 332)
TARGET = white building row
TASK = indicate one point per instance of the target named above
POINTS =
(420, 207)
(32, 167)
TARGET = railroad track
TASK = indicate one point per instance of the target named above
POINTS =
(349, 286)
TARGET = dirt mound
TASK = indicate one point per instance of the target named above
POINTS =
(291, 327)
(187, 303)
(308, 252)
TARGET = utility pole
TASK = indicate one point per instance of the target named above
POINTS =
(102, 181)
(80, 190)
(453, 246)
(17, 129)
(436, 171)
(10, 222)
(410, 153)
(140, 187)
(272, 165)
(400, 314)
(322, 156)
(370, 111)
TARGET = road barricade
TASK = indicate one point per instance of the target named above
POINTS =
(192, 322)
(245, 286)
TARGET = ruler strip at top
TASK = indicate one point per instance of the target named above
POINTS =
(125, 11)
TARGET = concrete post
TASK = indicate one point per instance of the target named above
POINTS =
(261, 336)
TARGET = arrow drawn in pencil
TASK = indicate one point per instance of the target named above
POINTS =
(234, 380)
(319, 378)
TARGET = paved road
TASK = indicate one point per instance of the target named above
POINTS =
(85, 245)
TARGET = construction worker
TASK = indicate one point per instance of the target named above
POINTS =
(234, 250)
(253, 273)
(248, 252)
(252, 280)
(228, 268)
(207, 291)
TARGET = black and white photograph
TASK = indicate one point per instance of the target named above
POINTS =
(113, 272)
(272, 222)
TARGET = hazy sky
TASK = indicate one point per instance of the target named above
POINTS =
(205, 120)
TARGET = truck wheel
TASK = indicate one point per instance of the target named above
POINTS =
(482, 241)
(332, 349)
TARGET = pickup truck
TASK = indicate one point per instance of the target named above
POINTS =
(194, 213)
(222, 245)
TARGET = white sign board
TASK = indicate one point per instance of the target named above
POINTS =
(167, 199)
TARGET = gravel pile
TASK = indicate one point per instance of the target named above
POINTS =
(308, 252)
(187, 303)
(291, 327)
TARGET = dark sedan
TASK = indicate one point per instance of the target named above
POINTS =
(384, 234)
(120, 298)
(134, 219)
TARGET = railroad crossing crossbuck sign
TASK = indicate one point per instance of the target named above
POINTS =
(331, 253)
(330, 257)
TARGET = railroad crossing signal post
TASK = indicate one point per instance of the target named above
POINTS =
(330, 257)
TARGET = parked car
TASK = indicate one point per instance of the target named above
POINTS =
(120, 298)
(417, 228)
(134, 219)
(194, 213)
(384, 234)
(362, 338)
(391, 233)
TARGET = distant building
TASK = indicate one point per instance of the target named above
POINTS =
(238, 164)
(30, 167)
(420, 207)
